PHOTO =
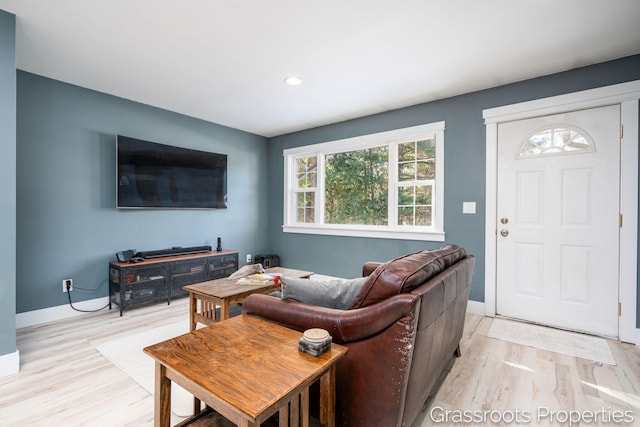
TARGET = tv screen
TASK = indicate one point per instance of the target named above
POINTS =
(152, 175)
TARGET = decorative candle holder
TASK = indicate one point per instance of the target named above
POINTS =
(315, 342)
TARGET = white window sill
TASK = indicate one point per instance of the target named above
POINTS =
(433, 236)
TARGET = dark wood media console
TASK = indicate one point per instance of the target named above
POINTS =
(158, 279)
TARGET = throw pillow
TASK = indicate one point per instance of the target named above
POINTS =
(334, 293)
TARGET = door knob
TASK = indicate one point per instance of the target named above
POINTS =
(504, 220)
(504, 233)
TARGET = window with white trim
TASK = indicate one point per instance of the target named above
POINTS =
(387, 185)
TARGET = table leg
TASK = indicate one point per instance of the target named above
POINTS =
(294, 412)
(328, 398)
(304, 408)
(224, 310)
(283, 416)
(193, 307)
(162, 397)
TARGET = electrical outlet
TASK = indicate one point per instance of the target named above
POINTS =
(67, 284)
(248, 258)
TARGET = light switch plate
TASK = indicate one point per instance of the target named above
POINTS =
(468, 207)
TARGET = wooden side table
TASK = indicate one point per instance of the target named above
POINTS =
(246, 369)
(204, 297)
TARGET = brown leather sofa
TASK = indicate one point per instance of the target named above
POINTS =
(402, 330)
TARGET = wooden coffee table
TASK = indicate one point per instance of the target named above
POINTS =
(246, 369)
(204, 297)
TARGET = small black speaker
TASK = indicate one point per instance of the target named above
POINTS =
(268, 260)
(124, 256)
(219, 247)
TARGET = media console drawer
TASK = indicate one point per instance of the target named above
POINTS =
(159, 279)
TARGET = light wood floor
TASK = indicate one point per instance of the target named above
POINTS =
(64, 380)
(497, 380)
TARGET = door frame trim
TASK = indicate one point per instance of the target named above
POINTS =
(625, 94)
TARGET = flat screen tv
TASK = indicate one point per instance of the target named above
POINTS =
(152, 175)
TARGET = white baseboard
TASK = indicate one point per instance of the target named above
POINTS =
(9, 364)
(60, 312)
(475, 307)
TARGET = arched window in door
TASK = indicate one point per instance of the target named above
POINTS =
(556, 140)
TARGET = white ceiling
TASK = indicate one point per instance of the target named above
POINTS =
(225, 61)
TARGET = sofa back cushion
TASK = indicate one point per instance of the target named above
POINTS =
(403, 274)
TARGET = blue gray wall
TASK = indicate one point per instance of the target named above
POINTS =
(8, 186)
(68, 226)
(464, 170)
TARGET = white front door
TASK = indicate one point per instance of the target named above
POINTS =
(558, 204)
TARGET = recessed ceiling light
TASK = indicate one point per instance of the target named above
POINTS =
(293, 81)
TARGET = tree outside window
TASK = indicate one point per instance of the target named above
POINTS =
(357, 187)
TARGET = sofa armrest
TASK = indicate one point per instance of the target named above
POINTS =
(343, 325)
(369, 267)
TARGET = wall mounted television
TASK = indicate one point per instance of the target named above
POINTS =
(152, 175)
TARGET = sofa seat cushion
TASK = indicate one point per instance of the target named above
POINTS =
(403, 274)
(334, 293)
